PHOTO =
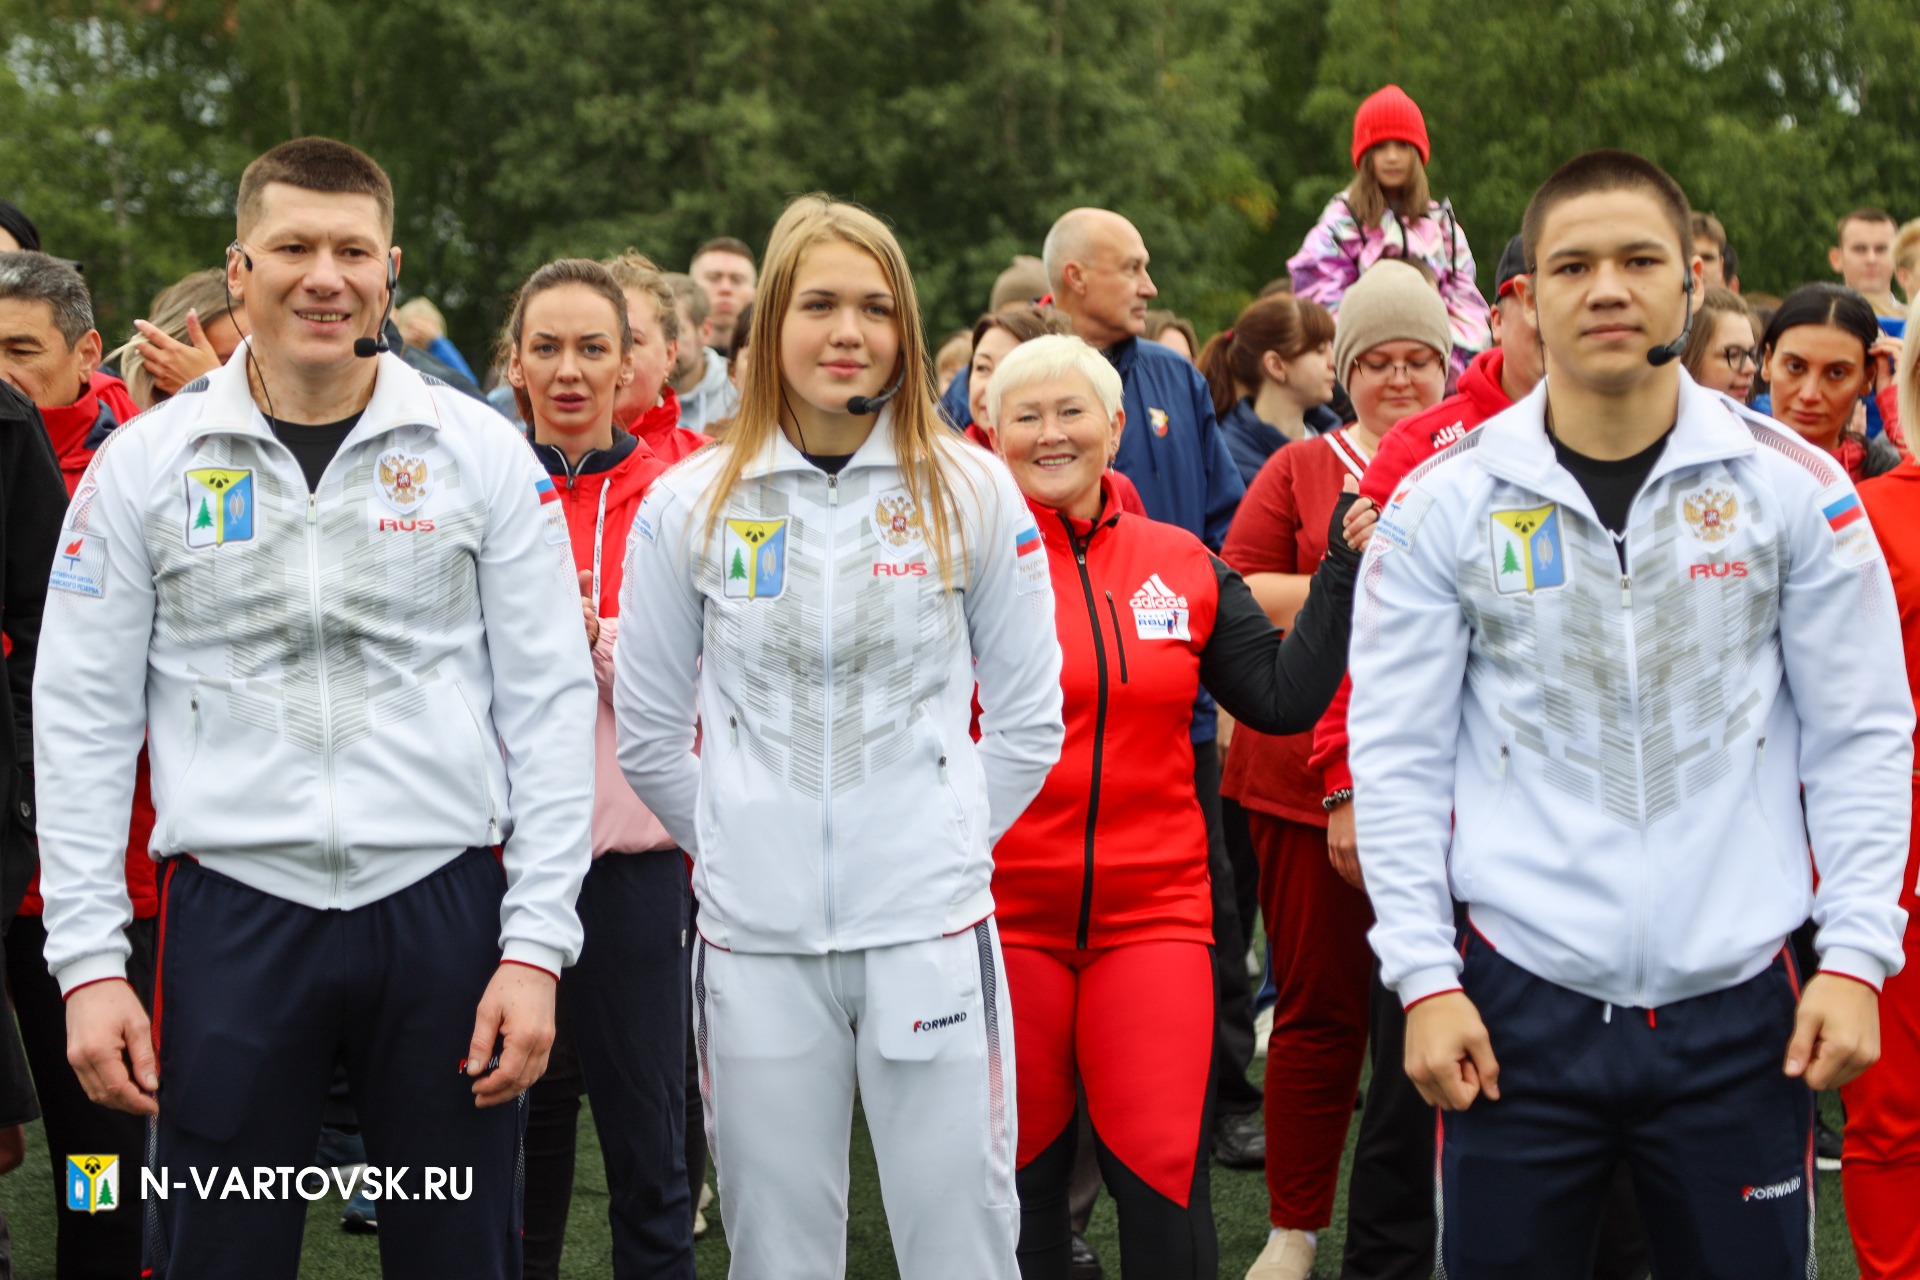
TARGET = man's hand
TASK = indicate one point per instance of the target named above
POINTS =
(1343, 846)
(517, 1008)
(1449, 1057)
(588, 609)
(1836, 1033)
(105, 1027)
(173, 363)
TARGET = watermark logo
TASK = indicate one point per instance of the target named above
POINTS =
(93, 1183)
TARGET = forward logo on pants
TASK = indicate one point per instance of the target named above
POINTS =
(1772, 1191)
(934, 1024)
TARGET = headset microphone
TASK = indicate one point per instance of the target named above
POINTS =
(368, 348)
(871, 404)
(1667, 353)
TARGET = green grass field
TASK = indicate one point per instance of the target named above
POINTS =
(1239, 1203)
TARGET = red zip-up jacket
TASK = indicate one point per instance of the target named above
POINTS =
(1114, 848)
(1413, 440)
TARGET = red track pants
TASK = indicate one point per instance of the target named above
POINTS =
(1317, 931)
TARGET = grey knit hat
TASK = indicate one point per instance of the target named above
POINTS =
(1392, 302)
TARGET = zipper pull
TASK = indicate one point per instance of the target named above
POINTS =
(833, 491)
(1503, 759)
(1626, 591)
(1760, 753)
(733, 730)
(313, 508)
(943, 770)
(193, 702)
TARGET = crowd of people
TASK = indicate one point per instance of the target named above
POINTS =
(731, 700)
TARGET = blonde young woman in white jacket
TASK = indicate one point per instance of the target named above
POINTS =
(827, 586)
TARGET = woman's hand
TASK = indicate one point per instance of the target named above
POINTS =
(588, 609)
(174, 363)
(1884, 355)
(1357, 527)
(1343, 846)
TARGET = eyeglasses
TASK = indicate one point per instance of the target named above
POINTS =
(1385, 369)
(1740, 359)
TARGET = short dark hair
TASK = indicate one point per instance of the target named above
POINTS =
(724, 244)
(31, 276)
(688, 293)
(1600, 171)
(1707, 227)
(315, 164)
(16, 223)
(1865, 213)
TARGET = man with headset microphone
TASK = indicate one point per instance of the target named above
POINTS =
(334, 597)
(1593, 676)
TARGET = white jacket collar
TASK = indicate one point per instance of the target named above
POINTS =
(1709, 428)
(779, 454)
(400, 398)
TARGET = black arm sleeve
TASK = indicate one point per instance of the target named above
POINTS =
(35, 502)
(1278, 685)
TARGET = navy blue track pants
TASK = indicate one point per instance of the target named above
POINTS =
(257, 999)
(1691, 1096)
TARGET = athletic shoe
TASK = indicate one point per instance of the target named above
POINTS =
(1085, 1264)
(1262, 1031)
(700, 1210)
(1827, 1143)
(1239, 1142)
(1287, 1256)
(361, 1217)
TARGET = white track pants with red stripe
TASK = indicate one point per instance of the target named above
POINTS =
(925, 1032)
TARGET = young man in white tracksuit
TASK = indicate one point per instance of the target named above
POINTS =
(332, 598)
(839, 815)
(1603, 648)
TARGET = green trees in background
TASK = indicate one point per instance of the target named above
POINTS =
(515, 133)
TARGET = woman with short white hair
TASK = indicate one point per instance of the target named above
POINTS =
(1101, 887)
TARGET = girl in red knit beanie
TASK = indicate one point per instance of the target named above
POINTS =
(1387, 212)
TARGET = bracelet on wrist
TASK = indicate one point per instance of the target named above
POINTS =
(1337, 798)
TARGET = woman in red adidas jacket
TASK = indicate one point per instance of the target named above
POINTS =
(1880, 1170)
(1101, 888)
(622, 1014)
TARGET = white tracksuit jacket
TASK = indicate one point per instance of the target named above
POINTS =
(1620, 757)
(196, 581)
(838, 802)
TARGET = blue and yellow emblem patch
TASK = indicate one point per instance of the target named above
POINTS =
(93, 1183)
(1527, 551)
(753, 559)
(219, 506)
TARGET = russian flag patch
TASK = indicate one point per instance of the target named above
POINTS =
(544, 487)
(1843, 511)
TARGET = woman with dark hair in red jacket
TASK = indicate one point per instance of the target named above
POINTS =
(1101, 887)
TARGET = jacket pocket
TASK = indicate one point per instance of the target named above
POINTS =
(177, 794)
(943, 766)
(485, 758)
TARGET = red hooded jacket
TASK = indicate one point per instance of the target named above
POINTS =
(660, 430)
(1413, 440)
(104, 406)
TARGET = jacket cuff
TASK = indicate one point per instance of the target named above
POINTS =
(1845, 962)
(1424, 983)
(100, 967)
(1336, 776)
(534, 955)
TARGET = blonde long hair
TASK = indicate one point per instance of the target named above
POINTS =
(919, 434)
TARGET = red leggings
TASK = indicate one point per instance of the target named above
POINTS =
(1880, 1174)
(1317, 935)
(1133, 1025)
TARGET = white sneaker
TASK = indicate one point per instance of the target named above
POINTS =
(1287, 1256)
